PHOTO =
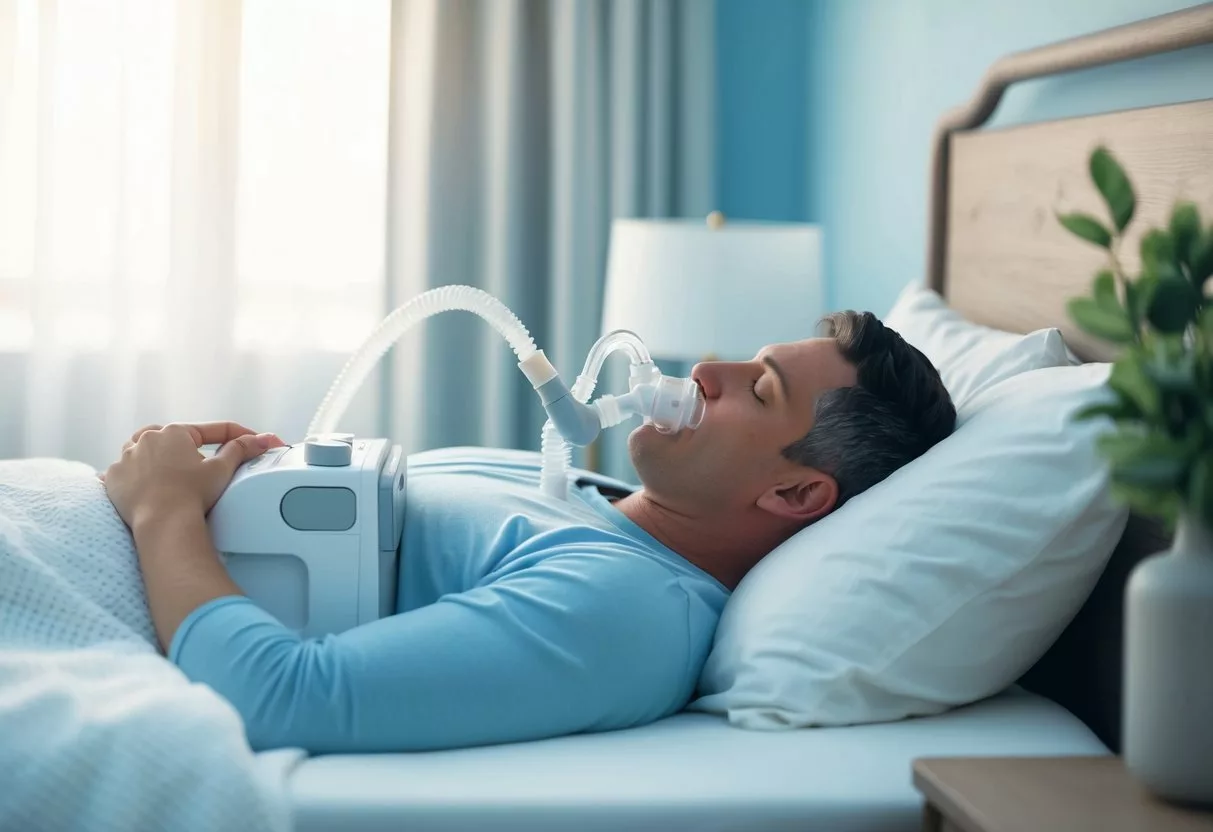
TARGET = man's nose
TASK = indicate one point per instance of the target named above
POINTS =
(705, 375)
(716, 376)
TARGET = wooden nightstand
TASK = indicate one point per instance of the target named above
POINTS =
(1041, 794)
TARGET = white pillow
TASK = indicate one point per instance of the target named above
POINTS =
(970, 357)
(937, 587)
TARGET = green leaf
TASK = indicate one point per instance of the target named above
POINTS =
(1157, 252)
(1177, 377)
(1145, 460)
(1116, 411)
(1200, 257)
(1185, 229)
(1206, 321)
(1151, 472)
(1130, 380)
(1100, 322)
(1104, 290)
(1168, 271)
(1110, 178)
(1200, 486)
(1173, 306)
(1164, 505)
(1087, 227)
(1138, 294)
(1135, 444)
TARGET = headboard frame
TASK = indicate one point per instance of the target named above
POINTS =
(1154, 36)
(999, 256)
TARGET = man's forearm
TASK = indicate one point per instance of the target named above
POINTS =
(181, 568)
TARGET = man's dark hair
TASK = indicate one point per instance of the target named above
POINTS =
(896, 411)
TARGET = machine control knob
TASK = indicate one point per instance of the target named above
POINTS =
(330, 450)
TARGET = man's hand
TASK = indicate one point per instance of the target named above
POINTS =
(162, 472)
(163, 488)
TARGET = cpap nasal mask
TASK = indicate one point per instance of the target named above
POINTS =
(670, 405)
(312, 532)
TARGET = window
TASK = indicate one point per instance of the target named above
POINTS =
(86, 173)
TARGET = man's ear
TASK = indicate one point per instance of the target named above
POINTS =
(810, 496)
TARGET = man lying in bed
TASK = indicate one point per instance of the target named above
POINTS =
(520, 617)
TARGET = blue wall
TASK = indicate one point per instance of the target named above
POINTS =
(876, 76)
(762, 51)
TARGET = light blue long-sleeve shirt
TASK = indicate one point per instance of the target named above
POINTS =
(518, 617)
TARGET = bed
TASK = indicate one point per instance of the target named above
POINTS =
(690, 771)
(995, 254)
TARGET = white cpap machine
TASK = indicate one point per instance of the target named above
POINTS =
(312, 532)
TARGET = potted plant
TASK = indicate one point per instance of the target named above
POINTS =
(1160, 452)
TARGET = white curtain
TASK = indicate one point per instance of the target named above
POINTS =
(191, 213)
(205, 205)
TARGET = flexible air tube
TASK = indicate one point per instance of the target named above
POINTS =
(554, 448)
(556, 454)
(442, 299)
(620, 339)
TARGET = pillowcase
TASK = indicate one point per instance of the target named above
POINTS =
(937, 587)
(970, 357)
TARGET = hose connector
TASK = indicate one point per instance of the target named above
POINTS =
(576, 421)
(643, 372)
(537, 369)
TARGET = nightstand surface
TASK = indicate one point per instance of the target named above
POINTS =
(1035, 794)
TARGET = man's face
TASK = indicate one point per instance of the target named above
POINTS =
(755, 409)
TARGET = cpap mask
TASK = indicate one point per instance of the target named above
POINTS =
(312, 532)
(670, 405)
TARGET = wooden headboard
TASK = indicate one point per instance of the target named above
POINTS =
(997, 253)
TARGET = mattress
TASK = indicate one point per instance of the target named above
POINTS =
(690, 771)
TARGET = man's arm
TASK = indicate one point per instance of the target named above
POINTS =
(163, 488)
(573, 644)
(181, 568)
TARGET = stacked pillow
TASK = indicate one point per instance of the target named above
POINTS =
(944, 583)
(970, 357)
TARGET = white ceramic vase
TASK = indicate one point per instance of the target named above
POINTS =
(1168, 668)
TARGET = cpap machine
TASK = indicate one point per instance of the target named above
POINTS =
(312, 532)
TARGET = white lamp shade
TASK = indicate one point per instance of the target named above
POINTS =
(690, 291)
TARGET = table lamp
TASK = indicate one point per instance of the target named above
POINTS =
(695, 290)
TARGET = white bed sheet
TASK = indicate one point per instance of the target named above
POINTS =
(690, 771)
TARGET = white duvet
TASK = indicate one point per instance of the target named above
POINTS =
(98, 731)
